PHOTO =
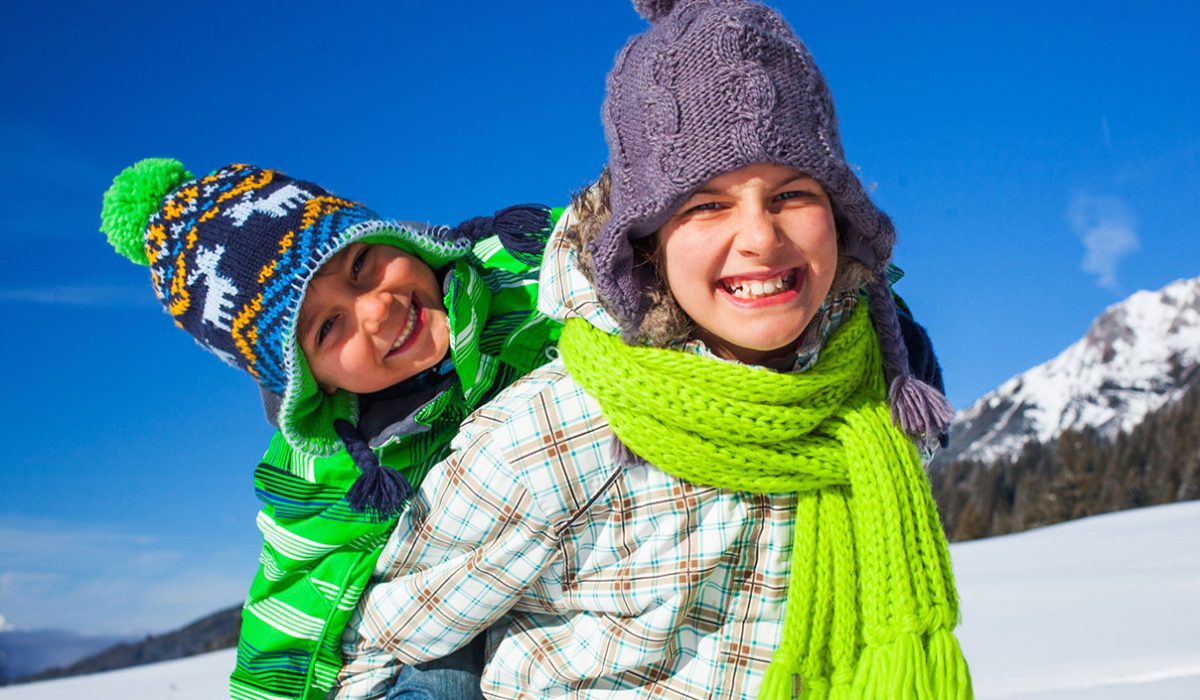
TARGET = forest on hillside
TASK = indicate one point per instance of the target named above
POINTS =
(1079, 474)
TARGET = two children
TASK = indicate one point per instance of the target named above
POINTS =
(715, 491)
(371, 340)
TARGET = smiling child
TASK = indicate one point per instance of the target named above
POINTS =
(370, 340)
(716, 491)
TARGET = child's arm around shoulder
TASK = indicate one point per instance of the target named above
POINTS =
(473, 543)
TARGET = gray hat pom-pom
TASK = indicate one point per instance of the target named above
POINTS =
(622, 455)
(653, 10)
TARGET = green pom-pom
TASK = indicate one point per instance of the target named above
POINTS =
(135, 194)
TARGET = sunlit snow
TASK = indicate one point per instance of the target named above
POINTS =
(1096, 609)
(1122, 369)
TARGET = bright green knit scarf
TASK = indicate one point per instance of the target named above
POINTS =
(871, 602)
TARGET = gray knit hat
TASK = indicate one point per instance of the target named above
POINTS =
(711, 87)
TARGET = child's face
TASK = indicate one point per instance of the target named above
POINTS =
(372, 317)
(750, 257)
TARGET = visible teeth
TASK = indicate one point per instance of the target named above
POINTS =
(408, 327)
(753, 289)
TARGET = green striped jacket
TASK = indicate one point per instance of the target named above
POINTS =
(318, 553)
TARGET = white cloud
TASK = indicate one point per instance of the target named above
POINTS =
(80, 295)
(1108, 229)
(99, 580)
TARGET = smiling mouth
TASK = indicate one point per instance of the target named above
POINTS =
(759, 288)
(410, 328)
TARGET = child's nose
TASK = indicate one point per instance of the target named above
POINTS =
(373, 309)
(757, 233)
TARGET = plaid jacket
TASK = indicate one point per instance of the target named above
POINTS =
(596, 581)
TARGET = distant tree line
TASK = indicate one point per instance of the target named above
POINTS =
(1081, 473)
(210, 633)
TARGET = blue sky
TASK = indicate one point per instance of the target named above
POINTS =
(1041, 161)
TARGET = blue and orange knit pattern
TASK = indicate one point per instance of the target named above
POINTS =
(225, 253)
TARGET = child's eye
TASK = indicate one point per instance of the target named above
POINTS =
(325, 328)
(795, 194)
(359, 260)
(705, 206)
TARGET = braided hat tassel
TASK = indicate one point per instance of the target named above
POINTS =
(919, 409)
(378, 489)
(523, 230)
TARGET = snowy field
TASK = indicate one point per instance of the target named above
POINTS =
(1102, 608)
(1105, 607)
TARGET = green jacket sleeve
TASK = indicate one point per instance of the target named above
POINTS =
(317, 558)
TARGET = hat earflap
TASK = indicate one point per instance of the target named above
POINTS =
(919, 409)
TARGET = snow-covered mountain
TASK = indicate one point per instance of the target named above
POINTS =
(1096, 609)
(1139, 355)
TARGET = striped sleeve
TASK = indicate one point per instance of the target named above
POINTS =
(317, 556)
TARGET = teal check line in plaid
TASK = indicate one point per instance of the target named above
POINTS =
(658, 585)
(591, 580)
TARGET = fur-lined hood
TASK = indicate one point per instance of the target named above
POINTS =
(564, 291)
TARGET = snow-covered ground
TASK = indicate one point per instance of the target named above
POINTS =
(196, 678)
(1102, 608)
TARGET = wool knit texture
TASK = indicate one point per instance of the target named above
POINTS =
(714, 86)
(871, 598)
(231, 255)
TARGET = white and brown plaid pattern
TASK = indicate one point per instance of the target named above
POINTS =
(595, 581)
(615, 583)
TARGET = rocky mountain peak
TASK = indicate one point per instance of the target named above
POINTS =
(1138, 355)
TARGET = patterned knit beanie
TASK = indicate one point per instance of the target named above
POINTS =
(231, 255)
(714, 86)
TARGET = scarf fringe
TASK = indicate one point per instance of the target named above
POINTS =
(778, 681)
(951, 679)
(897, 669)
(839, 691)
(905, 667)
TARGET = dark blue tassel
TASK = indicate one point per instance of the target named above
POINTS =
(523, 230)
(474, 229)
(379, 490)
